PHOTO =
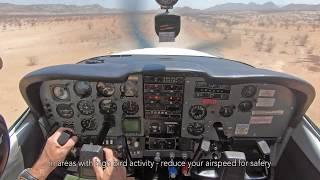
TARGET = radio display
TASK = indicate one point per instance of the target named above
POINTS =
(210, 90)
(131, 125)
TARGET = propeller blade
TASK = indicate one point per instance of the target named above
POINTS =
(216, 46)
(134, 22)
(207, 46)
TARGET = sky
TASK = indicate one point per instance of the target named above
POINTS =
(151, 4)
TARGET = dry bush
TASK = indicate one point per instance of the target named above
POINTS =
(301, 40)
(89, 25)
(310, 50)
(261, 24)
(258, 45)
(246, 32)
(269, 47)
(283, 52)
(299, 27)
(32, 60)
(260, 42)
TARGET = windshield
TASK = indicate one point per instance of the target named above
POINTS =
(281, 35)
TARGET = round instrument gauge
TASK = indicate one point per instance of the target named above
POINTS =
(245, 106)
(65, 111)
(107, 106)
(226, 111)
(248, 91)
(167, 3)
(89, 124)
(105, 89)
(198, 112)
(82, 88)
(86, 107)
(196, 129)
(130, 108)
(61, 93)
(129, 89)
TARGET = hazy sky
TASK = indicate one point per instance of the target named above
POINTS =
(152, 4)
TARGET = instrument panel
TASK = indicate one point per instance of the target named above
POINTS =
(84, 106)
(157, 111)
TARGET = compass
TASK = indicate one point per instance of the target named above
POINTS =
(167, 4)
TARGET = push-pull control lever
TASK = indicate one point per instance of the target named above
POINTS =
(172, 170)
(265, 151)
(264, 148)
(157, 159)
(204, 147)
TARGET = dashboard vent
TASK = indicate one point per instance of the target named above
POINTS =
(119, 56)
(94, 61)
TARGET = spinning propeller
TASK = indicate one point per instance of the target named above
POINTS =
(167, 26)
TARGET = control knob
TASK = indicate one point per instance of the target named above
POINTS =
(226, 111)
(195, 129)
(245, 106)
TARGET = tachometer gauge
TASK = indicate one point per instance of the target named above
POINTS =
(167, 3)
(105, 89)
(61, 93)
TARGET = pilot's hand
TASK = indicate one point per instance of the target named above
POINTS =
(52, 154)
(110, 172)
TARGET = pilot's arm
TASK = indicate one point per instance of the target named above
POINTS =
(53, 153)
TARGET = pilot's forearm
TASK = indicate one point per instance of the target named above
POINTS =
(42, 168)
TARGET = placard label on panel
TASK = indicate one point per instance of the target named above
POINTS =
(261, 119)
(167, 36)
(268, 113)
(267, 93)
(265, 102)
(242, 129)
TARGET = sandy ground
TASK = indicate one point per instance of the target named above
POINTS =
(39, 42)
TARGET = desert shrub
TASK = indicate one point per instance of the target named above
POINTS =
(269, 47)
(258, 45)
(261, 24)
(298, 27)
(283, 52)
(302, 40)
(89, 25)
(32, 60)
(310, 50)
